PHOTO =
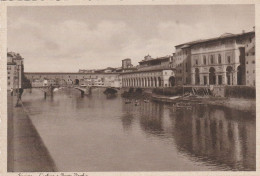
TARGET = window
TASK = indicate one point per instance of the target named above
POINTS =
(204, 60)
(186, 67)
(196, 62)
(253, 71)
(250, 40)
(205, 80)
(219, 59)
(8, 77)
(8, 83)
(211, 59)
(246, 62)
(219, 79)
(253, 62)
(229, 59)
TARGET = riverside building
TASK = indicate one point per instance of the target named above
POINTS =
(15, 71)
(225, 60)
(151, 72)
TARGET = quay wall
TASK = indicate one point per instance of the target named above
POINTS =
(26, 150)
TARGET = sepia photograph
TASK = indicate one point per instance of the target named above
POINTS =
(131, 88)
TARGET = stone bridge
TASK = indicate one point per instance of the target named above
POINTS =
(48, 90)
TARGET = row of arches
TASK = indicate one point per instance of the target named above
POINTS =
(147, 82)
(212, 77)
(142, 82)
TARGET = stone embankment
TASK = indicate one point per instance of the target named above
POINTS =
(26, 150)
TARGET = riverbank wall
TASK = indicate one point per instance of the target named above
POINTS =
(26, 150)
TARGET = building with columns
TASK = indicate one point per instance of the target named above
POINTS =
(151, 73)
(225, 60)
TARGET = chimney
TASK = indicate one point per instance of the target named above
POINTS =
(254, 28)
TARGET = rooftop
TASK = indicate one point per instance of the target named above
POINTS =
(14, 55)
(223, 36)
(153, 59)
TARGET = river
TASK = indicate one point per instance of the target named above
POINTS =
(96, 133)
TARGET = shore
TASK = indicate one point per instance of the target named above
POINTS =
(26, 150)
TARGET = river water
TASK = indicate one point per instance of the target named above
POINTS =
(96, 133)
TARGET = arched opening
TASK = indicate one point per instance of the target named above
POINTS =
(76, 82)
(197, 76)
(128, 82)
(239, 75)
(145, 82)
(229, 75)
(159, 81)
(155, 82)
(212, 76)
(171, 81)
(148, 82)
(151, 82)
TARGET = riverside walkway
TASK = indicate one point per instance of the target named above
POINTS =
(26, 151)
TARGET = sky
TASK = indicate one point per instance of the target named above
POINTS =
(69, 38)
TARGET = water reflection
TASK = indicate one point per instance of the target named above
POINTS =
(150, 136)
(217, 136)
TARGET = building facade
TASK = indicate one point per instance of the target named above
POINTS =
(78, 79)
(225, 60)
(151, 73)
(15, 71)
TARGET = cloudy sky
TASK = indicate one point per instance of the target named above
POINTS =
(68, 38)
